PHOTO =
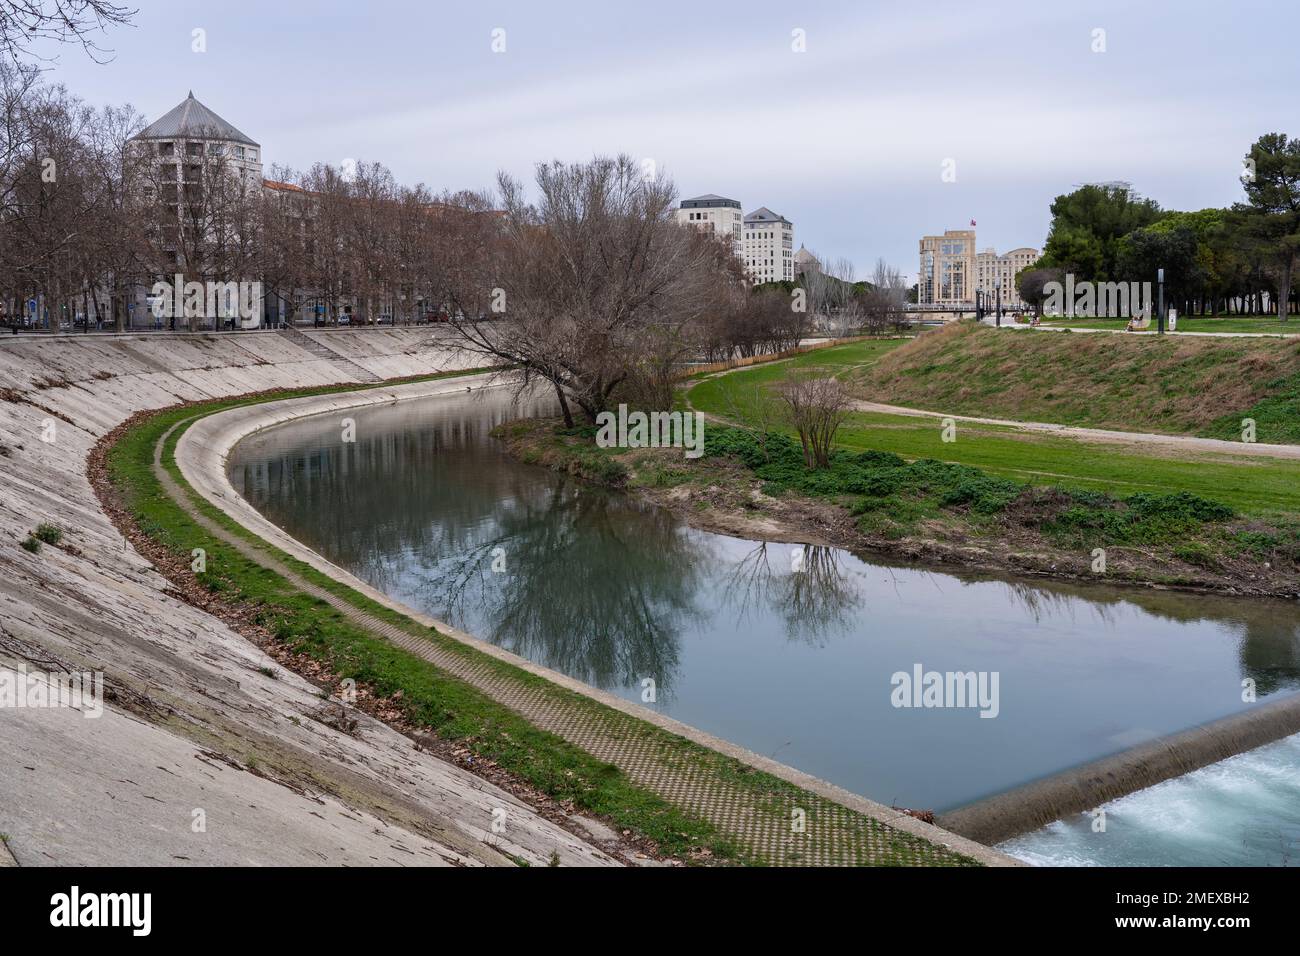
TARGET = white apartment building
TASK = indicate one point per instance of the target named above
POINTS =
(991, 269)
(768, 246)
(715, 214)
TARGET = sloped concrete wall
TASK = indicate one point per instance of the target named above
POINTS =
(125, 788)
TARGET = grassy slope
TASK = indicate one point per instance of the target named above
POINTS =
(1254, 486)
(1197, 386)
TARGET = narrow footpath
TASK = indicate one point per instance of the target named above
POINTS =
(1189, 443)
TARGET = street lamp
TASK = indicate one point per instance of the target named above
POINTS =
(997, 287)
(1160, 307)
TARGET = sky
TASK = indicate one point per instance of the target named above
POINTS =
(867, 124)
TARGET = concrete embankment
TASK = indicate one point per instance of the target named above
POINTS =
(1084, 788)
(176, 768)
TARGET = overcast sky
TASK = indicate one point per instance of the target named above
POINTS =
(847, 139)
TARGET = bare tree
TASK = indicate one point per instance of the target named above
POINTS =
(884, 304)
(588, 287)
(284, 209)
(816, 405)
(832, 297)
(329, 272)
(25, 22)
(69, 206)
(372, 206)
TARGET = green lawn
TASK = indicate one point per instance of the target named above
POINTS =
(1255, 486)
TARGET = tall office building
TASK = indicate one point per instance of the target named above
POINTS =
(947, 272)
(769, 246)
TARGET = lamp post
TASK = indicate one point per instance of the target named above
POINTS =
(997, 287)
(979, 305)
(1160, 306)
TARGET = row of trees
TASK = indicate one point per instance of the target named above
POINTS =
(1216, 261)
(840, 304)
(590, 286)
(69, 208)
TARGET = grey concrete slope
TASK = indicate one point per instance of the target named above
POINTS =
(199, 718)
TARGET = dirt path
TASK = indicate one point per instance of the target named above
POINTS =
(1187, 443)
(1207, 335)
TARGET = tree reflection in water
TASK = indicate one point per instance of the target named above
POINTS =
(815, 602)
(595, 586)
(606, 589)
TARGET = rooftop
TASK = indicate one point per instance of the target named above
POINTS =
(763, 214)
(193, 119)
(709, 199)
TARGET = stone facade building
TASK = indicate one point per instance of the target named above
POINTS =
(947, 271)
(991, 268)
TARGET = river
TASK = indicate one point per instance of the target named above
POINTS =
(790, 653)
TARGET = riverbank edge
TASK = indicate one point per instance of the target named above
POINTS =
(201, 453)
(990, 820)
(802, 519)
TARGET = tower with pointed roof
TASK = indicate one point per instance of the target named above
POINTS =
(805, 261)
(201, 170)
(190, 137)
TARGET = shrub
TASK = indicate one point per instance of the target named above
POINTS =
(50, 534)
(601, 468)
(1182, 506)
(984, 495)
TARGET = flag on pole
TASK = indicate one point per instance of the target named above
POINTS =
(972, 222)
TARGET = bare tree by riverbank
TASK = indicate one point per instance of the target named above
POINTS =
(592, 287)
(817, 405)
